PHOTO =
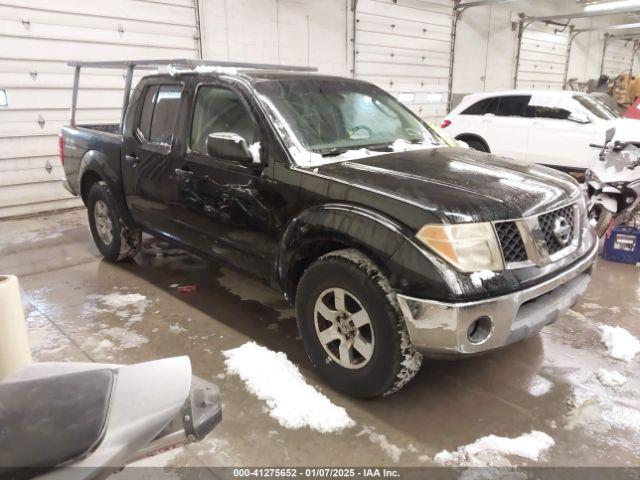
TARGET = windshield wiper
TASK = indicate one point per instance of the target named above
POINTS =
(332, 152)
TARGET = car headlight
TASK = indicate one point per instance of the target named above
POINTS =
(469, 247)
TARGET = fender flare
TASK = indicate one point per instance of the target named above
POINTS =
(322, 228)
(473, 136)
(96, 163)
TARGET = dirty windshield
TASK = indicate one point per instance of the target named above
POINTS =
(336, 120)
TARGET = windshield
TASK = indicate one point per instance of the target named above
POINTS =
(331, 117)
(596, 107)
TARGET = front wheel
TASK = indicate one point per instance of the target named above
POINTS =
(600, 218)
(352, 328)
(114, 239)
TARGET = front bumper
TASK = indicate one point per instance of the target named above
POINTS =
(443, 328)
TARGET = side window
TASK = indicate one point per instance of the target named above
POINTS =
(147, 110)
(513, 106)
(217, 110)
(165, 113)
(492, 106)
(477, 108)
(555, 113)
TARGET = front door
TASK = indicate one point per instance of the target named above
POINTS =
(147, 163)
(557, 140)
(227, 205)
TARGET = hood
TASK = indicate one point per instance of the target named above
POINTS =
(458, 184)
(627, 129)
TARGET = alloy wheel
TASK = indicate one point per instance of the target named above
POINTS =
(103, 223)
(344, 328)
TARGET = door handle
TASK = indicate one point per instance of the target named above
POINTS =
(183, 173)
(132, 158)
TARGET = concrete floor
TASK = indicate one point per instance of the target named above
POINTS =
(545, 383)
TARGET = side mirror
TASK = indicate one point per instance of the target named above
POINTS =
(609, 135)
(230, 146)
(578, 117)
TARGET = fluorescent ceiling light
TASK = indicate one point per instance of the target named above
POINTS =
(617, 5)
(406, 97)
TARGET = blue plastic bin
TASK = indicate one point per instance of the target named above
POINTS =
(623, 245)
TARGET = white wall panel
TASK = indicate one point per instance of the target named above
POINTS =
(293, 32)
(404, 46)
(38, 38)
(617, 57)
(543, 56)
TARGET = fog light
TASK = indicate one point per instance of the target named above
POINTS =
(480, 329)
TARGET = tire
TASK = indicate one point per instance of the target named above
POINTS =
(116, 241)
(600, 218)
(390, 361)
(475, 144)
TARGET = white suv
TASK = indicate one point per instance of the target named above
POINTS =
(553, 128)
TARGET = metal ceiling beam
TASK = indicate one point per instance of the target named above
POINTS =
(571, 16)
(478, 3)
(525, 21)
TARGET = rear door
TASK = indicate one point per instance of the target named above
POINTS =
(507, 130)
(148, 174)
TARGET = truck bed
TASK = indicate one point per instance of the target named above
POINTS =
(100, 142)
(102, 127)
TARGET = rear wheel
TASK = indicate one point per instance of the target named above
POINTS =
(475, 144)
(114, 239)
(352, 328)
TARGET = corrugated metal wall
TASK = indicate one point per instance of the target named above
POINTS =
(38, 37)
(404, 46)
(543, 56)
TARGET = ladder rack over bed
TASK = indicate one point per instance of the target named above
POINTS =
(131, 65)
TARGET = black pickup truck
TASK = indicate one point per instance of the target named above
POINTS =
(389, 242)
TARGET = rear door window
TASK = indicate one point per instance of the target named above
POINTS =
(492, 106)
(147, 110)
(165, 114)
(477, 108)
(513, 106)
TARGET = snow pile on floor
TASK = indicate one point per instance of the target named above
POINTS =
(177, 328)
(625, 418)
(491, 450)
(128, 306)
(125, 338)
(391, 450)
(539, 386)
(291, 400)
(619, 342)
(610, 378)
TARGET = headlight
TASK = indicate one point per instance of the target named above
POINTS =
(469, 247)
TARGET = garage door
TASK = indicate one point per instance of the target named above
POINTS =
(543, 56)
(617, 57)
(404, 46)
(38, 37)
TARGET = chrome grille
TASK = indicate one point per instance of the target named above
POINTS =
(538, 240)
(511, 242)
(547, 224)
